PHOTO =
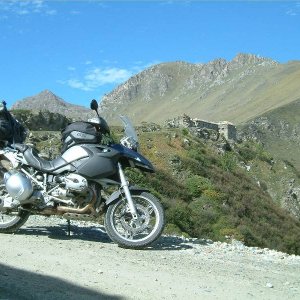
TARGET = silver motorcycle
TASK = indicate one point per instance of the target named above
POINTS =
(75, 184)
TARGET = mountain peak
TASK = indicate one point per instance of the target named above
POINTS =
(47, 93)
(47, 100)
(44, 100)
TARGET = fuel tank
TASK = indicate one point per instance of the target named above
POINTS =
(93, 160)
(74, 153)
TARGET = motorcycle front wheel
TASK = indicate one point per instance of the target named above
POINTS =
(138, 233)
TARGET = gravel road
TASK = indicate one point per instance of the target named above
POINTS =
(42, 262)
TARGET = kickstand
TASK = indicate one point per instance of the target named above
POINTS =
(69, 227)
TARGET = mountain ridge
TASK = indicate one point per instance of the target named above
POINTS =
(236, 91)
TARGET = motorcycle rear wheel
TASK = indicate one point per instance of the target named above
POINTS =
(10, 221)
(135, 234)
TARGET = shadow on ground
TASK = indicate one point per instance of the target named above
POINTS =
(17, 284)
(61, 232)
(98, 235)
(176, 243)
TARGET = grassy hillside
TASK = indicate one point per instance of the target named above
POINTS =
(209, 194)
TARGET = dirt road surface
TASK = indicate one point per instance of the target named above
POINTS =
(42, 262)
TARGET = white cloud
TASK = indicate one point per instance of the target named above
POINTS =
(295, 10)
(112, 75)
(76, 84)
(98, 77)
(26, 7)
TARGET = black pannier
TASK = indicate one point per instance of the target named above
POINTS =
(79, 133)
(11, 131)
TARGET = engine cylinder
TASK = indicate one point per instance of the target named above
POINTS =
(18, 186)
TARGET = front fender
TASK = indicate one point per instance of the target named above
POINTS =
(116, 195)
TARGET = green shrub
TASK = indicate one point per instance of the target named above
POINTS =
(247, 151)
(180, 215)
(197, 184)
(173, 229)
(264, 155)
(185, 131)
(231, 233)
(228, 161)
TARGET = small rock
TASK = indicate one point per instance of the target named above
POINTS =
(186, 142)
(269, 285)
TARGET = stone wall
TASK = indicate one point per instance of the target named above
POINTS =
(228, 130)
(224, 128)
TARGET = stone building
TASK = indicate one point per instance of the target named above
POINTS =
(224, 128)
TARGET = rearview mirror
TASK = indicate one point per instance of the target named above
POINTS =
(94, 104)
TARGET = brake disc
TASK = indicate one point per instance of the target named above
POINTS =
(138, 225)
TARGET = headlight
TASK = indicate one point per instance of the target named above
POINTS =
(130, 143)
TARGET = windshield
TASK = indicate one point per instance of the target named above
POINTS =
(129, 129)
(131, 139)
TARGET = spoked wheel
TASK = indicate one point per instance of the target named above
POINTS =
(11, 220)
(135, 233)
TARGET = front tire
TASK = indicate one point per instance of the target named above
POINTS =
(135, 234)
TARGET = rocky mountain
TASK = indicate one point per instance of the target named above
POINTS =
(236, 90)
(47, 101)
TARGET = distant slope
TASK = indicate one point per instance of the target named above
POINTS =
(279, 131)
(235, 91)
(46, 100)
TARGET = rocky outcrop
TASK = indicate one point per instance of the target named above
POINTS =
(291, 200)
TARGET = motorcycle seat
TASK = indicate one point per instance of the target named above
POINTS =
(42, 164)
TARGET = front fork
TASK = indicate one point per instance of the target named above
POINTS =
(125, 187)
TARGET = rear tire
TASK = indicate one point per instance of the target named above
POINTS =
(135, 234)
(12, 220)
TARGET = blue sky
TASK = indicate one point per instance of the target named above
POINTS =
(81, 50)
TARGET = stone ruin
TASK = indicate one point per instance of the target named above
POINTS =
(203, 128)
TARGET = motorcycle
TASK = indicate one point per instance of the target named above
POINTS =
(75, 184)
